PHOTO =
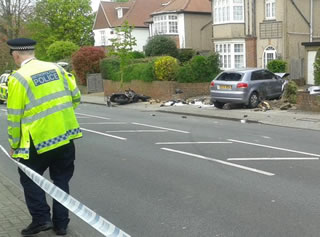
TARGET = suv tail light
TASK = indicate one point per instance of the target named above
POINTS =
(212, 84)
(242, 85)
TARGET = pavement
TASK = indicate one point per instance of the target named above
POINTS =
(14, 215)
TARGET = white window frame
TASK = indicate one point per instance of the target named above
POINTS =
(103, 38)
(228, 53)
(120, 12)
(224, 11)
(270, 9)
(269, 51)
(165, 24)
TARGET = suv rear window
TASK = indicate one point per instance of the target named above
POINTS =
(229, 76)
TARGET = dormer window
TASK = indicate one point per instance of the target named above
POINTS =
(120, 12)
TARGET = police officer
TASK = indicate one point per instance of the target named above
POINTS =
(42, 125)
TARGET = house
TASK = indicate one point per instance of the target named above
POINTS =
(250, 33)
(187, 21)
(113, 14)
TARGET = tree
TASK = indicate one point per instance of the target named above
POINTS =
(122, 45)
(61, 50)
(13, 14)
(56, 20)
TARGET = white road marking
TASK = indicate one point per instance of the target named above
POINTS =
(106, 123)
(182, 143)
(169, 129)
(220, 161)
(4, 110)
(103, 134)
(266, 137)
(276, 158)
(93, 116)
(276, 148)
(137, 131)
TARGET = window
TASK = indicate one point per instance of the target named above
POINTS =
(120, 12)
(269, 54)
(228, 11)
(165, 24)
(270, 9)
(232, 54)
(103, 37)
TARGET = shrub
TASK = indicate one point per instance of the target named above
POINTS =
(199, 69)
(109, 67)
(165, 68)
(61, 50)
(291, 92)
(87, 60)
(135, 71)
(185, 55)
(317, 69)
(136, 54)
(161, 45)
(277, 66)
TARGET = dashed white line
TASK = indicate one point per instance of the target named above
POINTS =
(132, 131)
(93, 116)
(169, 129)
(111, 123)
(103, 134)
(183, 143)
(275, 158)
(273, 147)
(220, 161)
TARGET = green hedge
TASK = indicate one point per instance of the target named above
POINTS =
(277, 65)
(199, 69)
(317, 69)
(110, 70)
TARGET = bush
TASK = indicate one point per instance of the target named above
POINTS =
(185, 55)
(161, 45)
(87, 60)
(136, 54)
(199, 69)
(277, 66)
(135, 71)
(109, 67)
(317, 69)
(61, 50)
(165, 68)
(291, 92)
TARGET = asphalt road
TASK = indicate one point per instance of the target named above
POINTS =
(165, 175)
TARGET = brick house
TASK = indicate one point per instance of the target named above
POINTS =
(250, 33)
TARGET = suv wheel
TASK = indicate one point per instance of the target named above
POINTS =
(254, 100)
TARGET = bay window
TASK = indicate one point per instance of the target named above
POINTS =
(228, 11)
(165, 24)
(231, 54)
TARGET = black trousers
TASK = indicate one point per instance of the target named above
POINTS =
(60, 162)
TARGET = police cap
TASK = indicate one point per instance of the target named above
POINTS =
(21, 44)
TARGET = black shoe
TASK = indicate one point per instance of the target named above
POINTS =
(60, 231)
(35, 228)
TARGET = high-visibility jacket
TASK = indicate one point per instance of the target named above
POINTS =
(41, 100)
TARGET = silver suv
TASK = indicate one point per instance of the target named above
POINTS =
(246, 86)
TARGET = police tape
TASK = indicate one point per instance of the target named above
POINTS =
(86, 214)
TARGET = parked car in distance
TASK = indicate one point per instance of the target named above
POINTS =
(4, 87)
(246, 86)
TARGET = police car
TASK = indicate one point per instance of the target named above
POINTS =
(4, 87)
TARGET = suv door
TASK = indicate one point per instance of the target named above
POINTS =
(273, 84)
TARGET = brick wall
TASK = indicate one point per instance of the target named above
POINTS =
(251, 52)
(308, 102)
(163, 90)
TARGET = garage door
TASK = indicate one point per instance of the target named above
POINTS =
(311, 60)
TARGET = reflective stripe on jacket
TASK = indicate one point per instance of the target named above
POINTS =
(41, 100)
